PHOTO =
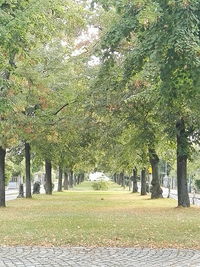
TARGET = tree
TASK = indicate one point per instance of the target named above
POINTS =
(164, 39)
(60, 178)
(2, 177)
(48, 177)
(27, 25)
(28, 170)
(143, 182)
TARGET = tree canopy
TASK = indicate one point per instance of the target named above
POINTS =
(110, 85)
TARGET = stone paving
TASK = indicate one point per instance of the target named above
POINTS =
(97, 257)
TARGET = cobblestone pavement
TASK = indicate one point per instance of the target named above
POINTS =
(96, 257)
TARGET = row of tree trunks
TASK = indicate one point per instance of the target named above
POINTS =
(70, 179)
(48, 173)
(156, 190)
(122, 180)
(118, 178)
(182, 157)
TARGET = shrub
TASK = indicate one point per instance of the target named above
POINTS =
(101, 185)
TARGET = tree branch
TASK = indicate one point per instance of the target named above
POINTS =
(61, 108)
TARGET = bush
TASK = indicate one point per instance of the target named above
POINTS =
(101, 185)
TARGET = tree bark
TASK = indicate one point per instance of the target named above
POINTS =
(2, 177)
(60, 179)
(78, 178)
(182, 156)
(115, 177)
(134, 179)
(143, 182)
(118, 179)
(156, 190)
(66, 181)
(122, 180)
(71, 181)
(28, 170)
(48, 177)
(129, 183)
(82, 177)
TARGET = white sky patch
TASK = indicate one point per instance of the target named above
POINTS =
(90, 35)
(83, 42)
(64, 43)
(94, 61)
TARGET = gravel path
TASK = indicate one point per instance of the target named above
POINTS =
(96, 257)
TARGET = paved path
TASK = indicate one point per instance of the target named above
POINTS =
(97, 257)
(194, 199)
(12, 193)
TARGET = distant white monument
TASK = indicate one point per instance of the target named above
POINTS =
(98, 176)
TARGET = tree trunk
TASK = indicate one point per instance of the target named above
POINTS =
(134, 179)
(115, 177)
(182, 151)
(82, 177)
(118, 179)
(48, 177)
(71, 182)
(143, 182)
(66, 181)
(78, 178)
(129, 183)
(156, 190)
(75, 180)
(122, 180)
(2, 177)
(28, 170)
(60, 179)
(21, 191)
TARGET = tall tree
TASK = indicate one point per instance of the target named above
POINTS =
(164, 40)
(143, 183)
(27, 27)
(60, 179)
(48, 177)
(28, 170)
(2, 177)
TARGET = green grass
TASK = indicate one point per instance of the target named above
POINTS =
(83, 217)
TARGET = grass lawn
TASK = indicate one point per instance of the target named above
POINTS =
(83, 217)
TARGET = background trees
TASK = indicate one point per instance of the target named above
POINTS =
(117, 100)
(157, 43)
(26, 28)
